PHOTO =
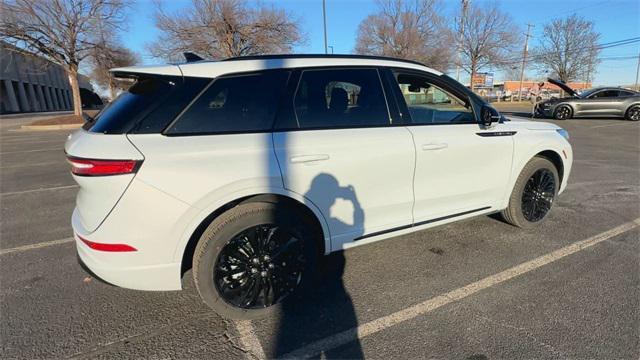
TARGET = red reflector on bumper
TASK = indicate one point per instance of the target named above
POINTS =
(107, 247)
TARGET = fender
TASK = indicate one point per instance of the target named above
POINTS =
(196, 215)
(541, 140)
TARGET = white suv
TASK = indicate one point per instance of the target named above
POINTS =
(247, 170)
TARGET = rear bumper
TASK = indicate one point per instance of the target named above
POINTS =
(122, 268)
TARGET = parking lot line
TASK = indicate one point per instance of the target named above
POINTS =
(37, 190)
(30, 151)
(249, 340)
(377, 325)
(35, 246)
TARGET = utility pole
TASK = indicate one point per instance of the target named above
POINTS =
(524, 59)
(463, 17)
(324, 20)
(638, 73)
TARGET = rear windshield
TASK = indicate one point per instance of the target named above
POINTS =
(148, 106)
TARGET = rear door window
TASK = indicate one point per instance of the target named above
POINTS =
(243, 103)
(335, 98)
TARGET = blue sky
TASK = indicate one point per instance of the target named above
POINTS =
(614, 19)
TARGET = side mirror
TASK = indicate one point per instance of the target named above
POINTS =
(489, 115)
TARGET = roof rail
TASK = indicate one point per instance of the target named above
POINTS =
(307, 56)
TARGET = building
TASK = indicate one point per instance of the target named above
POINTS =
(32, 84)
(514, 85)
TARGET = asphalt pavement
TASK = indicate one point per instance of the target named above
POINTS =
(477, 289)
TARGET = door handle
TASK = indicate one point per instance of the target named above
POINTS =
(309, 158)
(439, 146)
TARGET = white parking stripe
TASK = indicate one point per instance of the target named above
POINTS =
(249, 341)
(425, 307)
(30, 151)
(41, 189)
(35, 246)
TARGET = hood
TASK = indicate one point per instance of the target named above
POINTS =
(563, 86)
(519, 122)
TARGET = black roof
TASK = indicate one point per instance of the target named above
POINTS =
(315, 56)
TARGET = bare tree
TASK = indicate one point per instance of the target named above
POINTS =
(224, 28)
(489, 38)
(59, 30)
(108, 55)
(409, 30)
(568, 48)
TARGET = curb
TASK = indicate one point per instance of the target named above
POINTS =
(50, 127)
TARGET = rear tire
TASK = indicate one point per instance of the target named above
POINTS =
(633, 113)
(254, 257)
(533, 194)
(563, 112)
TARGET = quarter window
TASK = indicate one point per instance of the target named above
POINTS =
(340, 98)
(431, 104)
(234, 104)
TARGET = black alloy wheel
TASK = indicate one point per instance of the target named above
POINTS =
(259, 267)
(538, 195)
(633, 113)
(563, 112)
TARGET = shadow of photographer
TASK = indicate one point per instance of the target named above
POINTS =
(327, 308)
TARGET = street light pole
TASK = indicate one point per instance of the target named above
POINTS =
(638, 73)
(324, 20)
(524, 60)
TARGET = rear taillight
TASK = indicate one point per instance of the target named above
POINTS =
(94, 167)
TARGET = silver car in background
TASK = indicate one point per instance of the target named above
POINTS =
(597, 102)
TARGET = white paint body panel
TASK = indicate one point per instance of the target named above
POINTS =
(360, 179)
(457, 170)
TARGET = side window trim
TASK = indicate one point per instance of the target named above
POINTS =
(439, 83)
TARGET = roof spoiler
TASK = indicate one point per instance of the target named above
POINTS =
(191, 57)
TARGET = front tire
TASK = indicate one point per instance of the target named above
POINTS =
(533, 194)
(633, 113)
(563, 112)
(252, 258)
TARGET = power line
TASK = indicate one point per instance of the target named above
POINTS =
(517, 60)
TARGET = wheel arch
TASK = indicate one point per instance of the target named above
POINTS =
(626, 111)
(555, 159)
(308, 210)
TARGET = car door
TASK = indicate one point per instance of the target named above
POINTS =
(461, 167)
(335, 146)
(604, 103)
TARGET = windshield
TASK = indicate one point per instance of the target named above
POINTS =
(586, 93)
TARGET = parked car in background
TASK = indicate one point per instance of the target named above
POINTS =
(597, 102)
(247, 170)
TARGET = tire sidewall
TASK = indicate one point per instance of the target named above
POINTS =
(515, 202)
(227, 226)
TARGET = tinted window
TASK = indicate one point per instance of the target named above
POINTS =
(431, 104)
(606, 94)
(234, 104)
(122, 114)
(627, 93)
(340, 98)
